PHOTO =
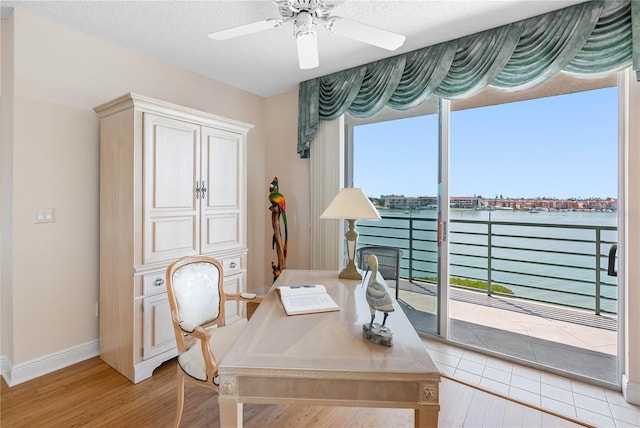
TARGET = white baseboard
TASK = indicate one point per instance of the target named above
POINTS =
(5, 368)
(630, 391)
(22, 372)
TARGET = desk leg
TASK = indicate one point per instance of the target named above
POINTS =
(425, 417)
(230, 407)
(230, 412)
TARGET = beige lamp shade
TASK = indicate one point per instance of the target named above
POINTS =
(351, 203)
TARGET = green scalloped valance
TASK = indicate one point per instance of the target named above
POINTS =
(586, 40)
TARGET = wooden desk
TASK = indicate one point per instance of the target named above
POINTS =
(322, 359)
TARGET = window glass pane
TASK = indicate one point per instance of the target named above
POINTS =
(564, 146)
(397, 157)
(396, 163)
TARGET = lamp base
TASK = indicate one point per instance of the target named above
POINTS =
(350, 272)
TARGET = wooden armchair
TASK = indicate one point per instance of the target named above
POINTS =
(197, 301)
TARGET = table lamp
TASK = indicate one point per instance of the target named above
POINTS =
(351, 204)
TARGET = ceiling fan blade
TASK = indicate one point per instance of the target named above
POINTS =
(307, 50)
(243, 30)
(365, 33)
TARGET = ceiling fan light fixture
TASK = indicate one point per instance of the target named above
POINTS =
(303, 23)
(306, 40)
(307, 50)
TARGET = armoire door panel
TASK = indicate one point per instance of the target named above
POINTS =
(158, 330)
(223, 232)
(174, 168)
(220, 212)
(223, 157)
(171, 150)
(174, 235)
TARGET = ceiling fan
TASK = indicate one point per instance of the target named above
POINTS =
(305, 15)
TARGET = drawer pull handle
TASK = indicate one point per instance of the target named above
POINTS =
(158, 282)
(232, 265)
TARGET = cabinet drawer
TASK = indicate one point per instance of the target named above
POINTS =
(154, 282)
(232, 265)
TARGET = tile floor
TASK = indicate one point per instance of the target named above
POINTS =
(586, 403)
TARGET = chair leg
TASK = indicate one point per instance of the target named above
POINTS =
(180, 391)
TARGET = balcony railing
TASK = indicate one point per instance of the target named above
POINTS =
(562, 264)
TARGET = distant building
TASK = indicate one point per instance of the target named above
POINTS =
(470, 202)
(475, 202)
(547, 204)
(409, 202)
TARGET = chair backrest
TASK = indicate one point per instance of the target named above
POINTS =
(196, 293)
(388, 260)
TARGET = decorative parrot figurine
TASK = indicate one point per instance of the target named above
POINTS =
(277, 199)
(278, 209)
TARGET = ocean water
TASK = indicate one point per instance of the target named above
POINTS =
(546, 256)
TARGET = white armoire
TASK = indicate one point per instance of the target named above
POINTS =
(172, 184)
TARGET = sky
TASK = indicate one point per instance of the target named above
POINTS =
(559, 147)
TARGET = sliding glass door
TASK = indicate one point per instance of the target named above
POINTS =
(505, 209)
(529, 276)
(396, 162)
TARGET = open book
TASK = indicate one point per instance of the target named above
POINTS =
(306, 299)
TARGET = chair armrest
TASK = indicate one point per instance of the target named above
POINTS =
(253, 297)
(210, 360)
(196, 331)
(244, 297)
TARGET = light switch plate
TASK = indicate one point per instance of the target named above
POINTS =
(45, 215)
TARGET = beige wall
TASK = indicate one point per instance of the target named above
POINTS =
(6, 99)
(60, 75)
(55, 270)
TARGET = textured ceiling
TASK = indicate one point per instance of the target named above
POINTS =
(266, 63)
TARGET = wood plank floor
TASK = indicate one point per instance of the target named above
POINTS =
(92, 394)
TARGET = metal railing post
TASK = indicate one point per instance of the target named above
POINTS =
(489, 233)
(410, 249)
(597, 296)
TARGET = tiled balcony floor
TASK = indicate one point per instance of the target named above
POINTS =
(529, 333)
